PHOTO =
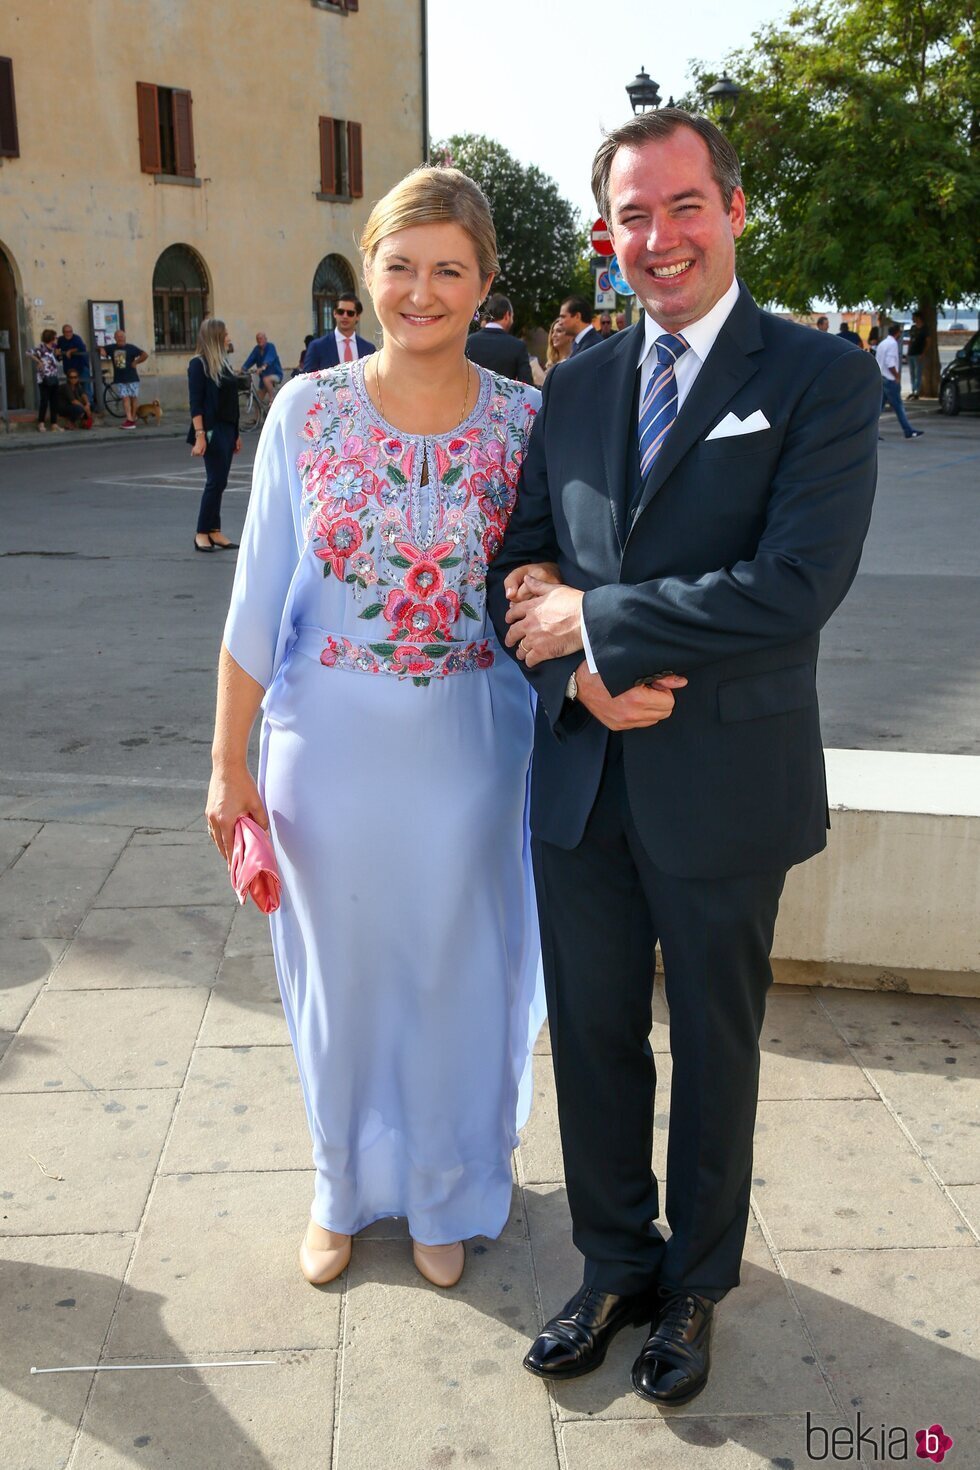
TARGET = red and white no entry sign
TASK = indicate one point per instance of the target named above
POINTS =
(601, 243)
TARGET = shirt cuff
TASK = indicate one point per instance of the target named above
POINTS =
(586, 645)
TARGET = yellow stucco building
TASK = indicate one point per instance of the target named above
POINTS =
(190, 160)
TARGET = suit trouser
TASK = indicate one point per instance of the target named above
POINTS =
(603, 905)
(217, 463)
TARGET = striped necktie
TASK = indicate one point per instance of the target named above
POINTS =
(659, 407)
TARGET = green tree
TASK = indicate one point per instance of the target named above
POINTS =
(858, 131)
(539, 234)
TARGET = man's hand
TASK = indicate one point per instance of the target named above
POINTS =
(543, 571)
(645, 705)
(546, 622)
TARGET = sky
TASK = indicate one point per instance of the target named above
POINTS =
(545, 77)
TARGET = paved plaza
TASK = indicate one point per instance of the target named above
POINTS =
(154, 1158)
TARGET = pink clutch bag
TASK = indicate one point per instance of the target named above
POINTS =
(253, 866)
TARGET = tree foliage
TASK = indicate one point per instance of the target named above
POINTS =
(539, 233)
(858, 130)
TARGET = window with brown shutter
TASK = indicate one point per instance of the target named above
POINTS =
(149, 127)
(183, 135)
(328, 172)
(341, 160)
(166, 132)
(9, 146)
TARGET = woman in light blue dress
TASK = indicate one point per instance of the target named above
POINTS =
(395, 747)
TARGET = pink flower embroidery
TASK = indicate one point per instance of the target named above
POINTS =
(343, 538)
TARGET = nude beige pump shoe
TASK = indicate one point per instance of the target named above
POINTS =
(320, 1266)
(440, 1264)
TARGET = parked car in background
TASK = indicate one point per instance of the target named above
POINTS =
(959, 384)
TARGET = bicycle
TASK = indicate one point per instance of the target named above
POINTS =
(252, 407)
(112, 399)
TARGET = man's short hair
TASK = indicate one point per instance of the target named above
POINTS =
(822, 319)
(497, 306)
(578, 306)
(349, 296)
(654, 127)
(893, 328)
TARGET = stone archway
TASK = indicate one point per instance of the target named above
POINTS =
(11, 319)
(332, 278)
(181, 299)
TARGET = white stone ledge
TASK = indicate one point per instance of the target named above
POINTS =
(894, 901)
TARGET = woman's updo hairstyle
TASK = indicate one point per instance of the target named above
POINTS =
(434, 196)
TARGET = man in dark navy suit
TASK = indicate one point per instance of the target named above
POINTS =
(575, 315)
(700, 488)
(494, 345)
(342, 344)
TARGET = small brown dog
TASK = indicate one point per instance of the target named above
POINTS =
(150, 410)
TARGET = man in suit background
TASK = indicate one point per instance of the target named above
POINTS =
(494, 346)
(700, 488)
(342, 344)
(575, 315)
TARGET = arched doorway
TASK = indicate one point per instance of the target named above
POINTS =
(180, 299)
(10, 324)
(332, 278)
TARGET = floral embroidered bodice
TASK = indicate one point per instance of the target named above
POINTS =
(408, 523)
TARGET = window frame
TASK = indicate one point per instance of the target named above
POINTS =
(341, 160)
(169, 159)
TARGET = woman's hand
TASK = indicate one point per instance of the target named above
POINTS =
(545, 571)
(232, 794)
(200, 445)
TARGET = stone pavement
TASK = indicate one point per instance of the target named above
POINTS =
(155, 1181)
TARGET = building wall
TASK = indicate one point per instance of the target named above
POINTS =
(79, 220)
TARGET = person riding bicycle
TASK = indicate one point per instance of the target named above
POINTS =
(265, 360)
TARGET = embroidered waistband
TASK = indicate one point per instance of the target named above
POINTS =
(420, 662)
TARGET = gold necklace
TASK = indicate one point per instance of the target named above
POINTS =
(381, 401)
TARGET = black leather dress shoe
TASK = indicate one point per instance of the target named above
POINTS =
(673, 1366)
(577, 1340)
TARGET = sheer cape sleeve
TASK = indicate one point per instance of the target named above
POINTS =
(259, 623)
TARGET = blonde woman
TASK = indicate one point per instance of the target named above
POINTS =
(213, 391)
(559, 346)
(395, 747)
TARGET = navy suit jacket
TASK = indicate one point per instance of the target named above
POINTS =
(739, 551)
(322, 352)
(501, 352)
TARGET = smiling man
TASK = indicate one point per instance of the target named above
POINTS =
(701, 485)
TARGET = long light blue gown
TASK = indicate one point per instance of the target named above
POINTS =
(395, 752)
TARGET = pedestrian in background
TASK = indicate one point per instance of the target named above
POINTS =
(874, 337)
(299, 368)
(849, 335)
(822, 324)
(495, 347)
(559, 345)
(73, 353)
(889, 361)
(575, 315)
(74, 404)
(605, 325)
(342, 344)
(919, 342)
(125, 358)
(45, 362)
(212, 386)
(265, 359)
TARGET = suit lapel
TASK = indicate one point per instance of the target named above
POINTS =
(729, 365)
(614, 374)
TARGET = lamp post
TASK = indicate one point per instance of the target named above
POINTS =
(723, 97)
(643, 93)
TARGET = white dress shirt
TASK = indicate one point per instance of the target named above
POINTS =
(886, 356)
(700, 337)
(341, 339)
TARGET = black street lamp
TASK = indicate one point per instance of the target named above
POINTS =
(723, 97)
(643, 93)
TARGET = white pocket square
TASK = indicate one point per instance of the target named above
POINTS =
(730, 425)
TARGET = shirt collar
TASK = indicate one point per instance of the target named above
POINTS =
(700, 336)
(492, 327)
(583, 332)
